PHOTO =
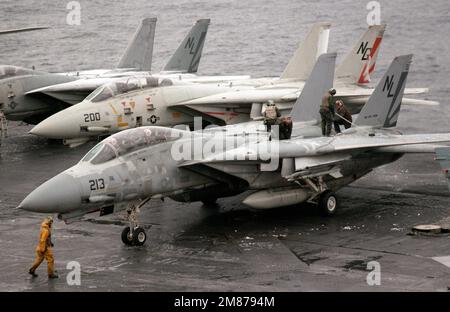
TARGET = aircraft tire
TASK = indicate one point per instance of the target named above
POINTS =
(126, 237)
(328, 203)
(139, 236)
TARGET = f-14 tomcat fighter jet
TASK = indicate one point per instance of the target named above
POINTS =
(155, 100)
(32, 96)
(20, 98)
(129, 168)
(136, 101)
(129, 103)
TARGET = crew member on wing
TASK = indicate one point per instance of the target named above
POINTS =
(327, 111)
(271, 115)
(342, 117)
(285, 127)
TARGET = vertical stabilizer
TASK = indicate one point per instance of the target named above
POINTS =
(306, 108)
(187, 57)
(383, 106)
(359, 63)
(315, 44)
(139, 52)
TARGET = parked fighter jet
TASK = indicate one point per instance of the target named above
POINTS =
(183, 65)
(135, 102)
(3, 123)
(123, 104)
(32, 96)
(137, 59)
(305, 56)
(129, 168)
(127, 104)
(20, 101)
(14, 80)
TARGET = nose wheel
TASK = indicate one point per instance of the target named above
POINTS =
(137, 237)
(134, 235)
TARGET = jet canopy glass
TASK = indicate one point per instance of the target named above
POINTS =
(116, 88)
(7, 71)
(129, 141)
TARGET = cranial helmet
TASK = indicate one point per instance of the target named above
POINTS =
(332, 91)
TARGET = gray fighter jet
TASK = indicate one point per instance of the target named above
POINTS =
(14, 80)
(133, 102)
(32, 96)
(3, 122)
(129, 168)
(20, 98)
(129, 103)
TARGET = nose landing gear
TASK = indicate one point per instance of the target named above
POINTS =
(137, 237)
(134, 235)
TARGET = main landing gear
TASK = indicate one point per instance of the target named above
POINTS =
(328, 203)
(327, 200)
(134, 235)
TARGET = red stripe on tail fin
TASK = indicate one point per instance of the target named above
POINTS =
(364, 76)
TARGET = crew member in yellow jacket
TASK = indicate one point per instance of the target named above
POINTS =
(44, 249)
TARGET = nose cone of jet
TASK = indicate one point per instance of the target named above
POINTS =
(58, 195)
(61, 125)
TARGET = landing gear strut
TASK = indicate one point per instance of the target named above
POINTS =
(327, 201)
(134, 235)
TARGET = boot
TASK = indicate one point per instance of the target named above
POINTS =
(32, 273)
(53, 276)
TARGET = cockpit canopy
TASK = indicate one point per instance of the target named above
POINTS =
(7, 71)
(116, 88)
(129, 141)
